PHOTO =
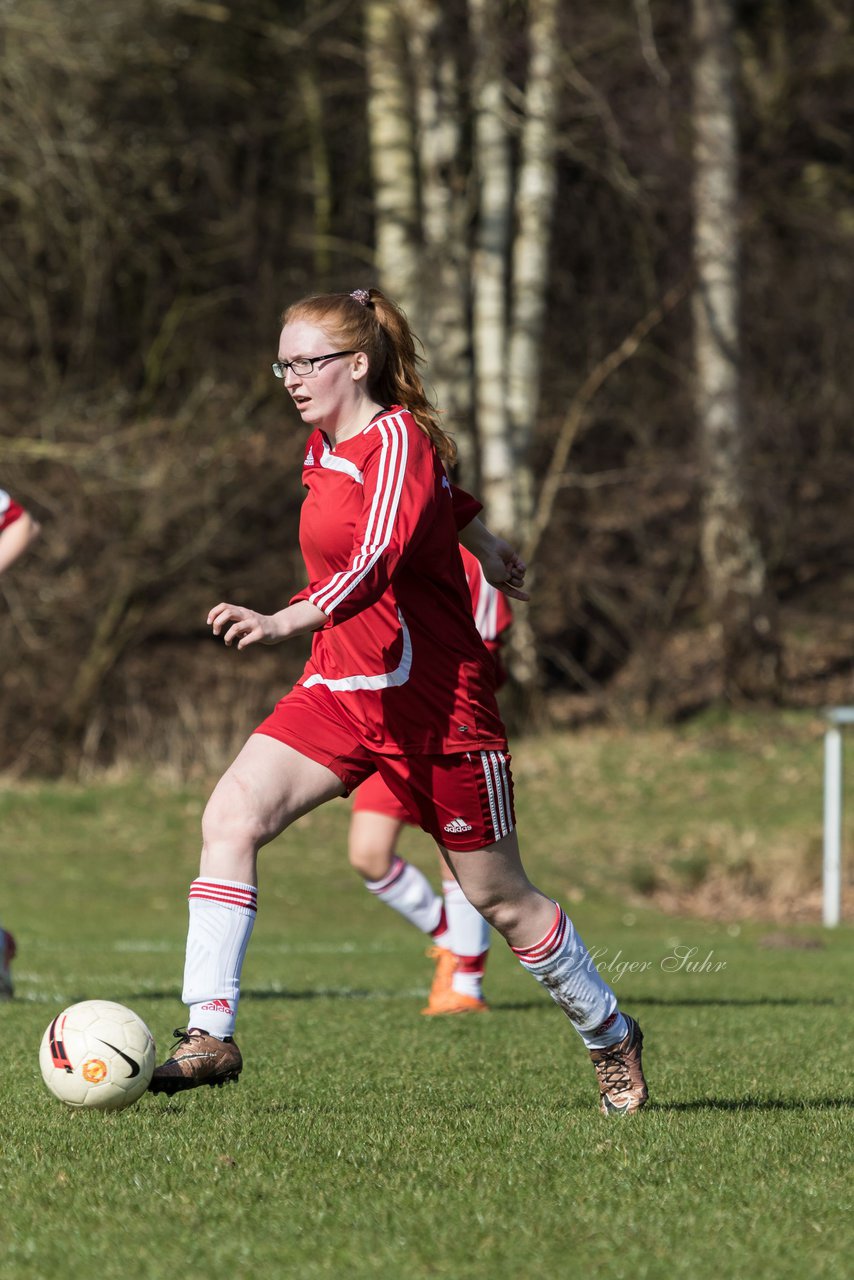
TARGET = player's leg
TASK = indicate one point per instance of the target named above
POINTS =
(546, 943)
(268, 786)
(466, 802)
(468, 940)
(7, 955)
(377, 820)
(375, 826)
(372, 845)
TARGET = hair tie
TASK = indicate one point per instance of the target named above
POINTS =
(361, 296)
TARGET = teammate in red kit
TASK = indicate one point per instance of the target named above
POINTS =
(398, 683)
(460, 934)
(17, 530)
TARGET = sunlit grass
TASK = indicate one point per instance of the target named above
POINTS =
(365, 1141)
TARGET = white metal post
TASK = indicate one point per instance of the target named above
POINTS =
(832, 881)
(832, 878)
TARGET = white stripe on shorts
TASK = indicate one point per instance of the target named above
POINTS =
(498, 791)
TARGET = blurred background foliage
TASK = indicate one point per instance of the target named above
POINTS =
(173, 173)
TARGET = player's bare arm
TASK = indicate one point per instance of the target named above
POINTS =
(246, 627)
(501, 566)
(15, 539)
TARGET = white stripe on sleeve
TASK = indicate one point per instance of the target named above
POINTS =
(381, 518)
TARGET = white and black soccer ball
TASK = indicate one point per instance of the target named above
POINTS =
(97, 1054)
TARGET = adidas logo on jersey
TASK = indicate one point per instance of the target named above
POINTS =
(309, 459)
(456, 827)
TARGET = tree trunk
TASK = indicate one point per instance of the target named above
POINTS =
(492, 165)
(392, 157)
(320, 171)
(444, 203)
(535, 196)
(732, 556)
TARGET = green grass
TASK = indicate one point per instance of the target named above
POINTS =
(364, 1141)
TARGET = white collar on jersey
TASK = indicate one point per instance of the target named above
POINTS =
(332, 462)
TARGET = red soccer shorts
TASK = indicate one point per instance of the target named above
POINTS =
(464, 801)
(373, 796)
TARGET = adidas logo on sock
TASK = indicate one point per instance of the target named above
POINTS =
(456, 827)
(217, 1006)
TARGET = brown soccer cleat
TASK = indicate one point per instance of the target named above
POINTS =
(622, 1088)
(197, 1058)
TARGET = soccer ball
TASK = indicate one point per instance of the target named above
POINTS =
(97, 1054)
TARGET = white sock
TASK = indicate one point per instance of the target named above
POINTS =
(468, 939)
(564, 966)
(409, 891)
(222, 913)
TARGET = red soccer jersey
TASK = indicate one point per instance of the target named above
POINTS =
(10, 511)
(400, 651)
(491, 608)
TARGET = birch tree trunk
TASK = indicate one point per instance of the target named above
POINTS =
(445, 272)
(319, 166)
(732, 556)
(392, 146)
(535, 196)
(493, 171)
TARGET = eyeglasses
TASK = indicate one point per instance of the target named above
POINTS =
(304, 367)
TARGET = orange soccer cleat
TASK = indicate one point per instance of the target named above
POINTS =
(455, 1002)
(443, 998)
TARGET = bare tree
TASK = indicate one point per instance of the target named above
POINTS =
(463, 239)
(395, 183)
(445, 264)
(493, 169)
(733, 559)
(416, 118)
(534, 203)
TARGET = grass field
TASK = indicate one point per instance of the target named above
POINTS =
(365, 1141)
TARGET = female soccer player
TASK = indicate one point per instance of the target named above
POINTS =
(460, 934)
(398, 683)
(17, 530)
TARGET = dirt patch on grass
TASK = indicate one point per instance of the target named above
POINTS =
(782, 888)
(723, 899)
(719, 818)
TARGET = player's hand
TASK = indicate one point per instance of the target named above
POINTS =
(504, 570)
(244, 626)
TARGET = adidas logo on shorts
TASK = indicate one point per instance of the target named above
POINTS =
(456, 827)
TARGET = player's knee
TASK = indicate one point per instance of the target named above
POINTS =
(496, 912)
(369, 861)
(371, 844)
(505, 911)
(231, 819)
(506, 918)
(358, 860)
